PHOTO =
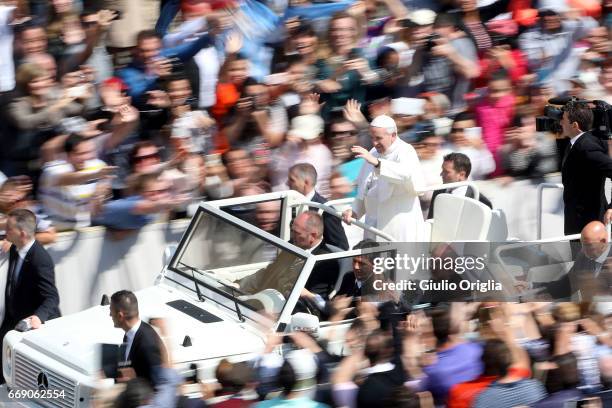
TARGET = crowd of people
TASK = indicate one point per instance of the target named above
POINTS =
(455, 355)
(122, 113)
(119, 115)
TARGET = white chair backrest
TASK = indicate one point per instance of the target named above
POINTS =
(458, 218)
(498, 231)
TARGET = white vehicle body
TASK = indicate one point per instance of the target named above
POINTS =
(67, 352)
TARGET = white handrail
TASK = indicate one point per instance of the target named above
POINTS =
(541, 188)
(340, 201)
(456, 184)
(332, 211)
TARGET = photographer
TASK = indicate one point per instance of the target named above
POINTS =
(152, 61)
(253, 122)
(584, 169)
(448, 61)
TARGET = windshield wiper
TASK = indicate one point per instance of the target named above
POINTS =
(201, 297)
(192, 269)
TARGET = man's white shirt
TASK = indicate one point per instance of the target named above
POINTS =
(130, 338)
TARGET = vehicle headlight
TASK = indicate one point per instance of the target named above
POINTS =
(8, 360)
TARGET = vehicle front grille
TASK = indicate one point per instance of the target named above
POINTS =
(26, 378)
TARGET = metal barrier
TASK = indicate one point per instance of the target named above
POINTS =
(541, 188)
(453, 186)
(332, 211)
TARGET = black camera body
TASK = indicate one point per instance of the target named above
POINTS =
(551, 121)
(431, 41)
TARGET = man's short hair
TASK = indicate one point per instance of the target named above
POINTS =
(145, 35)
(445, 20)
(137, 393)
(126, 302)
(72, 141)
(305, 171)
(143, 180)
(368, 243)
(314, 222)
(25, 220)
(463, 116)
(28, 25)
(460, 162)
(581, 114)
(496, 358)
(443, 325)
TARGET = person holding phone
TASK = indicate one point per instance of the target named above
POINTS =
(495, 113)
(339, 77)
(466, 138)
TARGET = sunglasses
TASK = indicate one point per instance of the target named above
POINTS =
(160, 191)
(345, 133)
(147, 156)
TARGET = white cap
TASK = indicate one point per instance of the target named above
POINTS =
(305, 322)
(408, 106)
(305, 367)
(422, 17)
(307, 127)
(603, 304)
(385, 122)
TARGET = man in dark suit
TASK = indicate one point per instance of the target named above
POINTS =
(142, 348)
(30, 292)
(361, 284)
(456, 167)
(303, 178)
(584, 169)
(591, 274)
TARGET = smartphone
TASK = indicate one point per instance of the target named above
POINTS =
(77, 91)
(276, 79)
(473, 133)
(214, 159)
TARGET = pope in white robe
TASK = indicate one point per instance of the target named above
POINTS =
(388, 185)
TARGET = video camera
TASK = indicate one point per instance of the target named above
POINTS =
(551, 121)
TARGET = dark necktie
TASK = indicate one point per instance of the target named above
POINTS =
(566, 154)
(357, 290)
(123, 348)
(10, 283)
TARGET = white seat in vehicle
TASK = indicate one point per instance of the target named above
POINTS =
(458, 218)
(498, 230)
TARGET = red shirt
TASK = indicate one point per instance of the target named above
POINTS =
(462, 395)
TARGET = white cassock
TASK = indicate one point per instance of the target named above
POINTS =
(387, 195)
(4, 264)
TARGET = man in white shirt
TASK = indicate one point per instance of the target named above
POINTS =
(68, 187)
(456, 167)
(389, 184)
(142, 347)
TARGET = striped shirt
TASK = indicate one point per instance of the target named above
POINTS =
(519, 393)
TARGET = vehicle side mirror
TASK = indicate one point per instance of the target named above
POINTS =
(169, 253)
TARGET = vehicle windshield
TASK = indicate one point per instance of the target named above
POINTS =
(235, 258)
